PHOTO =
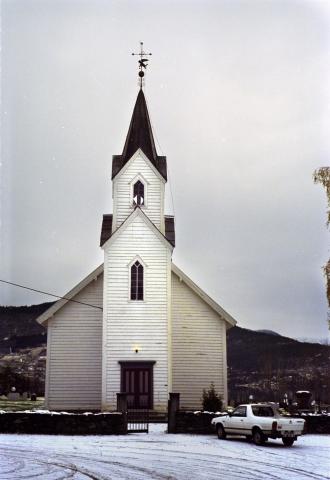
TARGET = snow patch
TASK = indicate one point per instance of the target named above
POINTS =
(160, 456)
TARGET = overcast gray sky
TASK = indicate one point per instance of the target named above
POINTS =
(238, 93)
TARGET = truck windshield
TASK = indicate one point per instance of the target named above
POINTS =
(262, 411)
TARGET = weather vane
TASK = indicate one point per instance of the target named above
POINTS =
(143, 62)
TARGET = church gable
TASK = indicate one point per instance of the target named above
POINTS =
(106, 231)
(138, 171)
(139, 231)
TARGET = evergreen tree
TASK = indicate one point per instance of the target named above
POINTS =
(211, 400)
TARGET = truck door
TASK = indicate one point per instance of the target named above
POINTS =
(237, 421)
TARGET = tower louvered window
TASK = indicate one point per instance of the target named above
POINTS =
(137, 281)
(138, 193)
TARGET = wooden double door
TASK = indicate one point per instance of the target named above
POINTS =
(137, 382)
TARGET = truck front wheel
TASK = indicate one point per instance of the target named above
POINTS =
(221, 432)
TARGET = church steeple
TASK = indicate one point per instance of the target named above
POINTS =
(140, 133)
(140, 136)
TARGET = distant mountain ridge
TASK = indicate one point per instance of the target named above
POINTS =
(19, 329)
(270, 332)
(261, 348)
(21, 321)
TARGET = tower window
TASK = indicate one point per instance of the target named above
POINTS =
(137, 281)
(138, 193)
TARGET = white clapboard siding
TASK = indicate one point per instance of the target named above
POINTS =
(75, 352)
(136, 324)
(198, 346)
(154, 191)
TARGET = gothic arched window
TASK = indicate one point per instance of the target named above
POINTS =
(138, 193)
(137, 281)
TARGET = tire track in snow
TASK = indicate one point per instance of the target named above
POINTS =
(70, 469)
(218, 458)
(225, 465)
(228, 465)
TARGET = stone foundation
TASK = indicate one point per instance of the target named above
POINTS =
(191, 422)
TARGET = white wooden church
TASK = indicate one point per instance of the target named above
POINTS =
(155, 330)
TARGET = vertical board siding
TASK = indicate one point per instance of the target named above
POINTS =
(75, 333)
(154, 193)
(198, 344)
(75, 352)
(135, 324)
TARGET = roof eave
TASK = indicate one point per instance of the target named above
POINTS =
(129, 219)
(66, 298)
(114, 174)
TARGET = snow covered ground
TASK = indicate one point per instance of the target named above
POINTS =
(159, 456)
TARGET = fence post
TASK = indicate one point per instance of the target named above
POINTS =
(173, 407)
(122, 407)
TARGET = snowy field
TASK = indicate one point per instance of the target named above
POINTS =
(159, 456)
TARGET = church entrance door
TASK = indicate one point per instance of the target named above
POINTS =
(137, 382)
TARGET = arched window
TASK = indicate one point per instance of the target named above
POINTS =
(138, 193)
(137, 281)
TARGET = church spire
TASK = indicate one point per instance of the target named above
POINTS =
(140, 136)
(140, 132)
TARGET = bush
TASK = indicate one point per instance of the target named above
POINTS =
(212, 402)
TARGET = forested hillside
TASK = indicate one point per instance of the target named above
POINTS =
(18, 327)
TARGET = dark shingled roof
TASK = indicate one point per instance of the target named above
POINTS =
(139, 136)
(170, 229)
(107, 229)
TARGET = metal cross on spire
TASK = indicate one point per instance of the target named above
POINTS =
(143, 62)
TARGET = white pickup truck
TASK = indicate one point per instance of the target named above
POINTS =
(259, 422)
